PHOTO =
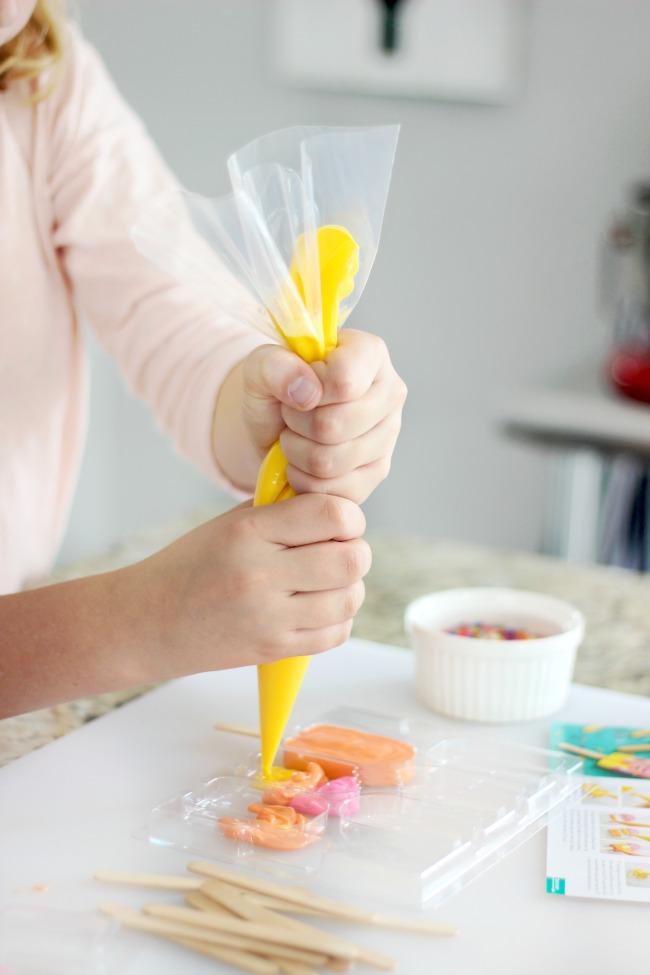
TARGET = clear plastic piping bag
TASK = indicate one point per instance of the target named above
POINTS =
(288, 253)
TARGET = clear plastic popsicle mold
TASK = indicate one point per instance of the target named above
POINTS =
(417, 828)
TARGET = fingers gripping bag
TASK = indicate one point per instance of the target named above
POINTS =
(289, 252)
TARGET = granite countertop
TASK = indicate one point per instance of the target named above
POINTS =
(616, 603)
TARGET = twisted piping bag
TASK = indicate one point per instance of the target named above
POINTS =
(288, 253)
(336, 265)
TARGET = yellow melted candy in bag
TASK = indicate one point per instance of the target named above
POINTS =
(338, 262)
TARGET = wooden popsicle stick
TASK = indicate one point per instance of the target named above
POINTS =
(339, 965)
(238, 901)
(247, 953)
(414, 924)
(197, 899)
(174, 929)
(318, 944)
(284, 907)
(232, 956)
(311, 940)
(281, 953)
(334, 964)
(289, 967)
(640, 733)
(234, 900)
(246, 906)
(634, 748)
(237, 729)
(258, 885)
(254, 931)
(159, 881)
(331, 908)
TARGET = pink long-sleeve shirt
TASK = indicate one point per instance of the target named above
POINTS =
(76, 173)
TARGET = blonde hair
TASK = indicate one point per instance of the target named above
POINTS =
(37, 49)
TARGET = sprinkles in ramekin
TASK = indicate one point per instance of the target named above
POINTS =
(492, 631)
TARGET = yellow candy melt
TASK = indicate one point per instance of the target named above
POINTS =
(277, 773)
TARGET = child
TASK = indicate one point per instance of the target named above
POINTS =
(257, 584)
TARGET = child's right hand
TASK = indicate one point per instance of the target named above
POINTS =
(252, 586)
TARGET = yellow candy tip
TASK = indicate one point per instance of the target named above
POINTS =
(275, 774)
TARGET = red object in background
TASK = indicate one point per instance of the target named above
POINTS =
(629, 373)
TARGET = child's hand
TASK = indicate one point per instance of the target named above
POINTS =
(252, 586)
(337, 420)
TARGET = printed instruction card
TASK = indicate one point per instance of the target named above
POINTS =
(601, 846)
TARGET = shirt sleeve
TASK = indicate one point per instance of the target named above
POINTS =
(174, 349)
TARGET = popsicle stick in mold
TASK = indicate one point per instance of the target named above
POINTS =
(237, 729)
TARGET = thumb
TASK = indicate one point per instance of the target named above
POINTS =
(274, 377)
(279, 375)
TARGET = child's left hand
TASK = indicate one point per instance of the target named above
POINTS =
(337, 420)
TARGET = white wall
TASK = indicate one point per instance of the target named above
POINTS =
(486, 275)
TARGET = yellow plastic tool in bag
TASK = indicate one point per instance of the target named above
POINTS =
(338, 262)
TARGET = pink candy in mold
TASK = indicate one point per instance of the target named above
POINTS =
(336, 791)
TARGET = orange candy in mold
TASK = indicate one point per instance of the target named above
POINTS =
(300, 781)
(276, 815)
(275, 819)
(378, 760)
(270, 835)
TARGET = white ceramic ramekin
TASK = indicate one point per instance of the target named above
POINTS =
(493, 680)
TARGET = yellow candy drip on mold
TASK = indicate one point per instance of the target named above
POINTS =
(338, 262)
(276, 774)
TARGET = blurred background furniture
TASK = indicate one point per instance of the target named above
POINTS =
(597, 502)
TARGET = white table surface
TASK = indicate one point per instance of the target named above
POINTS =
(71, 808)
